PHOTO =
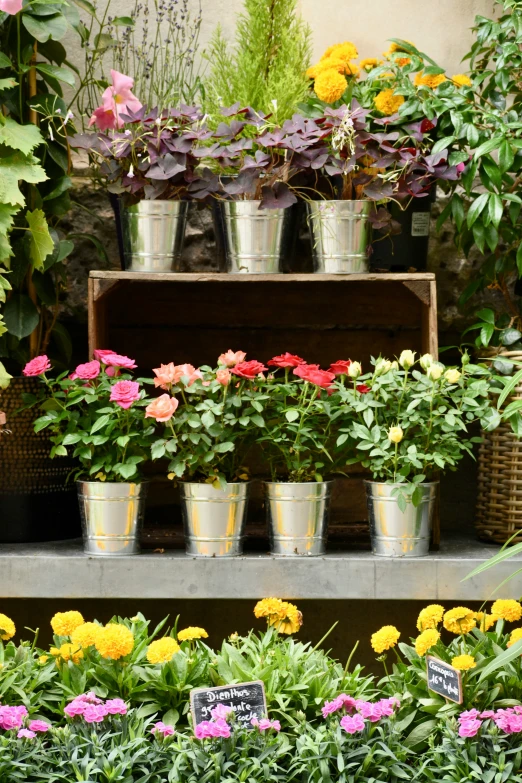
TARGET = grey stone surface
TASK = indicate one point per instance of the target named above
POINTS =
(61, 570)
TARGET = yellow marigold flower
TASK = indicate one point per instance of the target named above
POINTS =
(368, 63)
(55, 652)
(431, 81)
(313, 71)
(269, 607)
(346, 51)
(460, 620)
(7, 628)
(507, 609)
(64, 623)
(114, 641)
(461, 80)
(330, 86)
(463, 662)
(516, 634)
(193, 632)
(430, 617)
(387, 102)
(290, 619)
(353, 69)
(333, 64)
(85, 635)
(162, 650)
(426, 641)
(70, 652)
(43, 659)
(384, 639)
(485, 621)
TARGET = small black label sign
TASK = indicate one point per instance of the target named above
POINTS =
(247, 698)
(444, 679)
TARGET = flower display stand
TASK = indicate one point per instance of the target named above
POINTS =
(193, 317)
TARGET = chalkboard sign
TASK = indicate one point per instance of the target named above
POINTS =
(444, 679)
(247, 698)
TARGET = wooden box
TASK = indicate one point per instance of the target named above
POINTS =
(193, 317)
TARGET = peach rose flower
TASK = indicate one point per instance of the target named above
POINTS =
(162, 409)
(188, 370)
(231, 358)
(165, 375)
(223, 376)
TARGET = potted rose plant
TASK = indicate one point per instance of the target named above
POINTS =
(150, 165)
(412, 424)
(298, 439)
(261, 167)
(211, 417)
(97, 412)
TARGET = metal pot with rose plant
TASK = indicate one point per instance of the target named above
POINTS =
(411, 425)
(211, 417)
(97, 413)
(147, 158)
(298, 440)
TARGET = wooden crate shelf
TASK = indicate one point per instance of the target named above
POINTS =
(193, 317)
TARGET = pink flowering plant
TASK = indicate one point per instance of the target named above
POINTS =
(357, 741)
(95, 415)
(211, 417)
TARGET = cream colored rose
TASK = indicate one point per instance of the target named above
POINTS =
(395, 434)
(435, 371)
(452, 376)
(354, 370)
(382, 366)
(407, 359)
(426, 361)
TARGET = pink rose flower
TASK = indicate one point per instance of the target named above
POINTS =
(101, 353)
(223, 376)
(469, 728)
(163, 729)
(39, 725)
(352, 723)
(37, 366)
(11, 7)
(114, 362)
(86, 372)
(231, 358)
(116, 707)
(124, 393)
(26, 734)
(116, 100)
(165, 375)
(162, 409)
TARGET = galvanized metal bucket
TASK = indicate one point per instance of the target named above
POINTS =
(214, 519)
(298, 517)
(153, 233)
(112, 517)
(396, 533)
(256, 240)
(340, 233)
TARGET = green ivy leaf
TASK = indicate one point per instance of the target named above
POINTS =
(41, 244)
(14, 168)
(20, 137)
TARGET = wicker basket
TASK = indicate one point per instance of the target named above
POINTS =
(36, 501)
(499, 503)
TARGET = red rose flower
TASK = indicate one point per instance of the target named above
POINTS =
(302, 370)
(248, 370)
(313, 374)
(340, 367)
(362, 388)
(286, 360)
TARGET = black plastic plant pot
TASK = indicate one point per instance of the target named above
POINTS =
(409, 249)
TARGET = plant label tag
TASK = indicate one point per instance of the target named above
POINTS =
(444, 679)
(420, 224)
(247, 698)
